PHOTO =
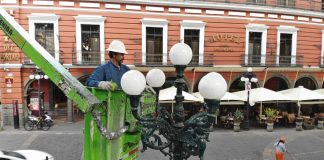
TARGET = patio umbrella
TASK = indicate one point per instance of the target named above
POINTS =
(262, 95)
(320, 91)
(227, 99)
(167, 96)
(302, 95)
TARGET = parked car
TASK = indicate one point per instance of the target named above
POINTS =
(25, 155)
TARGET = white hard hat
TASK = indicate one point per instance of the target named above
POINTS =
(117, 46)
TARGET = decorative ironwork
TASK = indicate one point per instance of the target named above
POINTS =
(248, 77)
(172, 135)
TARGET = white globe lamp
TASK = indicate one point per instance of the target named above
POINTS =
(155, 78)
(212, 86)
(133, 82)
(180, 54)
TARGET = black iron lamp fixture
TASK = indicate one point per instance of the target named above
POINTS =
(38, 75)
(172, 134)
(248, 77)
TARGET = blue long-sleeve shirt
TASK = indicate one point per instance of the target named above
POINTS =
(107, 72)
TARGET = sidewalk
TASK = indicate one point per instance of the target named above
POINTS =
(60, 124)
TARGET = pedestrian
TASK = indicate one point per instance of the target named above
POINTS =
(108, 75)
(280, 149)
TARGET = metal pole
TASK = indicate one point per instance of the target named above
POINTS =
(1, 120)
(179, 111)
(247, 111)
(39, 99)
(70, 111)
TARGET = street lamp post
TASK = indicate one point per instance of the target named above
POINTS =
(248, 77)
(173, 135)
(38, 75)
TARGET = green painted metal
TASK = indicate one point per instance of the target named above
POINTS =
(87, 137)
(125, 147)
(72, 88)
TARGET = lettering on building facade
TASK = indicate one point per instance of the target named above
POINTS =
(224, 37)
(8, 47)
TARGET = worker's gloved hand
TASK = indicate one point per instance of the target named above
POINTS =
(105, 85)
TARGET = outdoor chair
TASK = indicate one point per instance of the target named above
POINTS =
(261, 121)
(291, 118)
(309, 121)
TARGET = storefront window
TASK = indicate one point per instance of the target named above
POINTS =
(191, 37)
(154, 44)
(44, 35)
(255, 39)
(90, 44)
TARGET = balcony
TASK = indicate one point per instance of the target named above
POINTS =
(313, 5)
(156, 60)
(28, 61)
(272, 60)
(87, 58)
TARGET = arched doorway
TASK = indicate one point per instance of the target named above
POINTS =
(276, 84)
(57, 100)
(169, 82)
(238, 85)
(83, 79)
(307, 82)
(32, 93)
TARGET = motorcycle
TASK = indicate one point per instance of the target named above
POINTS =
(44, 122)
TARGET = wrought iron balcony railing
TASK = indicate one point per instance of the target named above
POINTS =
(313, 5)
(86, 58)
(272, 60)
(157, 60)
(28, 61)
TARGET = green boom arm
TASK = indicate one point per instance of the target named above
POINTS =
(72, 88)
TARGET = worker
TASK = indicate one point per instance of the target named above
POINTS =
(108, 75)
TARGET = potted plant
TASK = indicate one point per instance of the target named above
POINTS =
(299, 123)
(238, 117)
(271, 115)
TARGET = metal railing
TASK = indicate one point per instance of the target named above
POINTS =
(157, 60)
(272, 60)
(28, 61)
(87, 58)
(313, 5)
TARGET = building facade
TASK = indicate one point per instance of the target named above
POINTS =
(282, 40)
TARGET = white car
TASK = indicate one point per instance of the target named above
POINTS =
(25, 155)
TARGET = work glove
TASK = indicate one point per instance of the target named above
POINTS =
(105, 85)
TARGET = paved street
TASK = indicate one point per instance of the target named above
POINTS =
(65, 141)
